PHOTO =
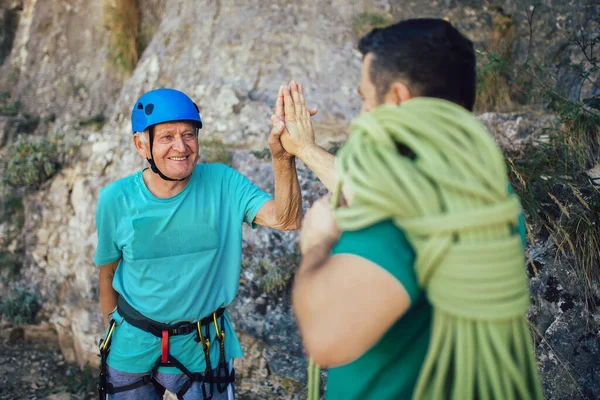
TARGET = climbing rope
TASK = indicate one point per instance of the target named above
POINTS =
(434, 170)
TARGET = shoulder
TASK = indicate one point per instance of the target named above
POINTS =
(117, 189)
(385, 245)
(378, 235)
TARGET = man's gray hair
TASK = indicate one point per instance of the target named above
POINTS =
(143, 136)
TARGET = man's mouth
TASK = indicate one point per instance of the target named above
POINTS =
(178, 158)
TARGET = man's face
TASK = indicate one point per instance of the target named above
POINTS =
(367, 90)
(175, 149)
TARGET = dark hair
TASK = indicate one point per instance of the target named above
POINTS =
(430, 55)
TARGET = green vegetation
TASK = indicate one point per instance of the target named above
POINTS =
(21, 307)
(95, 121)
(274, 276)
(126, 42)
(83, 383)
(10, 264)
(367, 21)
(31, 160)
(12, 216)
(8, 106)
(264, 154)
(554, 175)
(212, 150)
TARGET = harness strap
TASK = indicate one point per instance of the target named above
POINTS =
(140, 321)
(165, 346)
(164, 331)
(104, 347)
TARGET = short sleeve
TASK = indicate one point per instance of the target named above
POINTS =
(245, 196)
(385, 245)
(107, 250)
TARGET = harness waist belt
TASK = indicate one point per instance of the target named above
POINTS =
(137, 319)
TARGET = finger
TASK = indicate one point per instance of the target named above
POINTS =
(296, 98)
(313, 111)
(279, 102)
(302, 100)
(278, 125)
(288, 105)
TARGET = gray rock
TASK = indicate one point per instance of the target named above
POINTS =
(232, 58)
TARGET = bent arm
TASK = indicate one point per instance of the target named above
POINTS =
(344, 304)
(108, 295)
(284, 212)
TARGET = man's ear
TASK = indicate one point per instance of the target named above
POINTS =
(140, 141)
(398, 94)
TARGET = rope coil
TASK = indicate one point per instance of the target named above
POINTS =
(450, 198)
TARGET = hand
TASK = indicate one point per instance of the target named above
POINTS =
(277, 150)
(319, 226)
(291, 109)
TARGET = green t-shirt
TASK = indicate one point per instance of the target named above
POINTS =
(388, 370)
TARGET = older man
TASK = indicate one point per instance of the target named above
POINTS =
(169, 251)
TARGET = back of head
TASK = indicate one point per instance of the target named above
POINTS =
(429, 55)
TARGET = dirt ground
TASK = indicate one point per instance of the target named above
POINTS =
(32, 367)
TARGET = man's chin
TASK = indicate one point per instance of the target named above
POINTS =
(178, 173)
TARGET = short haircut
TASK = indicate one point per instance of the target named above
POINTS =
(430, 55)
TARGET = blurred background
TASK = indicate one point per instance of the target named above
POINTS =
(71, 70)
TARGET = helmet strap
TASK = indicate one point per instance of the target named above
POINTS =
(153, 164)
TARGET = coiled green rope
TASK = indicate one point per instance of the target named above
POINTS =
(450, 198)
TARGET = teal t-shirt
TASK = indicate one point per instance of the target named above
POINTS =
(180, 259)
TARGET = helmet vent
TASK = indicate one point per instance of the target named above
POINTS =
(149, 109)
(140, 106)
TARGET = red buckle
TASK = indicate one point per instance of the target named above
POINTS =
(165, 346)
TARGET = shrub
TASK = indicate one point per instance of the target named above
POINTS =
(9, 107)
(122, 20)
(31, 160)
(10, 264)
(95, 121)
(21, 307)
(264, 154)
(275, 275)
(553, 175)
(212, 150)
(367, 21)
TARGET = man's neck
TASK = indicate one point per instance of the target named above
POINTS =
(161, 188)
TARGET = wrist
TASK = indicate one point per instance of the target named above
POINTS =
(284, 162)
(306, 150)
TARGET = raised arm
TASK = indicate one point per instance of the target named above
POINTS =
(284, 212)
(298, 138)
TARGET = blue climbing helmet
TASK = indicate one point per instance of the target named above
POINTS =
(163, 105)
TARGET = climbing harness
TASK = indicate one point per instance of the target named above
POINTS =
(450, 198)
(221, 378)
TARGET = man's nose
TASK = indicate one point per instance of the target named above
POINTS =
(179, 144)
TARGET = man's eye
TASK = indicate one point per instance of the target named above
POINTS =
(166, 138)
(189, 136)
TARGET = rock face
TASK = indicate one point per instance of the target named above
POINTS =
(230, 57)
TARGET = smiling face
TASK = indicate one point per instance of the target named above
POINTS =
(175, 149)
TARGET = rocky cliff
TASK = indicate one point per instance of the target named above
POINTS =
(231, 56)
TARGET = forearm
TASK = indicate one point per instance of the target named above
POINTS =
(322, 163)
(108, 295)
(287, 197)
